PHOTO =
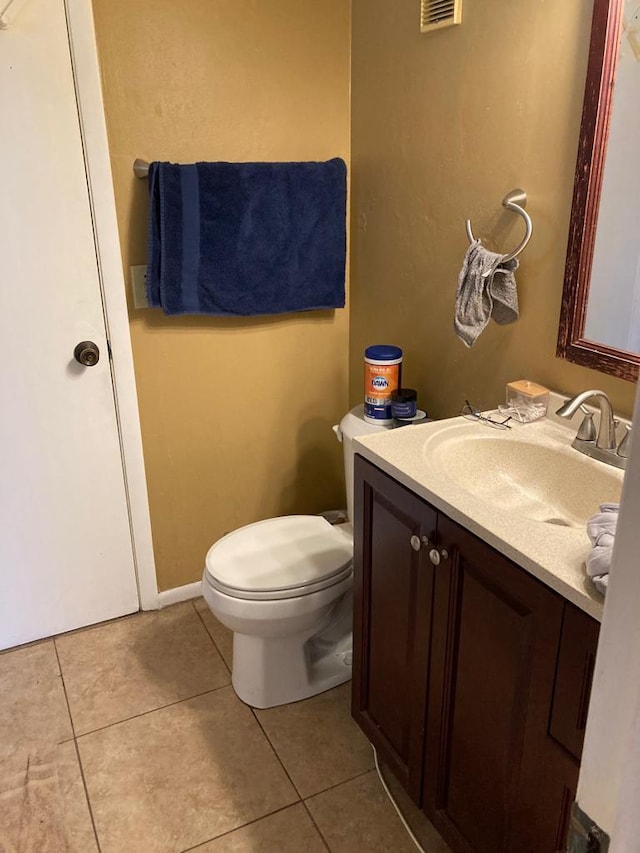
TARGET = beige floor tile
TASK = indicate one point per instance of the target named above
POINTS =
(356, 817)
(221, 636)
(33, 708)
(52, 807)
(288, 831)
(133, 665)
(181, 775)
(317, 741)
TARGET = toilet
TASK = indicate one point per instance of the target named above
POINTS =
(284, 587)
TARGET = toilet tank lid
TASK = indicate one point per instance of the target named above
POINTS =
(279, 553)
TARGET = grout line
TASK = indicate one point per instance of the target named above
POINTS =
(151, 711)
(337, 784)
(316, 793)
(324, 791)
(275, 752)
(242, 826)
(313, 821)
(83, 629)
(86, 793)
(75, 746)
(215, 645)
(27, 645)
(64, 689)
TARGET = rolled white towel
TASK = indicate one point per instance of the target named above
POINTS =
(601, 529)
(601, 583)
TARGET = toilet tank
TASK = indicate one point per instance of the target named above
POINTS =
(351, 426)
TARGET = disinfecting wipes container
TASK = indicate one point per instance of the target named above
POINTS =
(382, 372)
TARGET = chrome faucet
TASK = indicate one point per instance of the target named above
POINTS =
(603, 447)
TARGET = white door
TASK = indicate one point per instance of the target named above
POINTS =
(66, 556)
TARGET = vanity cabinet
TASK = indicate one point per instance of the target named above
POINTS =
(471, 677)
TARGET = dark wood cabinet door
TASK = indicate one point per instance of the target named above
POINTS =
(393, 588)
(494, 644)
(550, 764)
(576, 662)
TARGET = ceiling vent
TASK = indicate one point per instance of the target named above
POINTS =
(436, 14)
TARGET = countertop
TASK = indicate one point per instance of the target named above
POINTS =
(553, 553)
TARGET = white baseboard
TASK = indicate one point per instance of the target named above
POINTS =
(179, 593)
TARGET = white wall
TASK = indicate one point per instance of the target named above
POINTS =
(609, 786)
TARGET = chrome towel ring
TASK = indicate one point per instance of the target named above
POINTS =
(515, 200)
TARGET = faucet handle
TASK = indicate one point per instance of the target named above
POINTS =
(623, 447)
(587, 429)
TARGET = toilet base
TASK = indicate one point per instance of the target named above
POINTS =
(271, 671)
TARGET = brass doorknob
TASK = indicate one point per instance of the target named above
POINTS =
(87, 353)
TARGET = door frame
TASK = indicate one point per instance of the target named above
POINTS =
(93, 130)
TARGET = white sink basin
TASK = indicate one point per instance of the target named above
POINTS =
(544, 482)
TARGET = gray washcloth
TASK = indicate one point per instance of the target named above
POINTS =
(601, 529)
(486, 290)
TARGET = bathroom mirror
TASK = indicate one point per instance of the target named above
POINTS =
(600, 317)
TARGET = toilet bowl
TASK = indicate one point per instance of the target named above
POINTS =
(283, 586)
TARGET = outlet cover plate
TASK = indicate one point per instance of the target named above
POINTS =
(139, 286)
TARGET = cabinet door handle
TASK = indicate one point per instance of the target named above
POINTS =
(417, 542)
(436, 556)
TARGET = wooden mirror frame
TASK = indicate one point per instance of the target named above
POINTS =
(594, 130)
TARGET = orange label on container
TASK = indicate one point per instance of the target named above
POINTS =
(380, 381)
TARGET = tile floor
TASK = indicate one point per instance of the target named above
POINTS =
(156, 754)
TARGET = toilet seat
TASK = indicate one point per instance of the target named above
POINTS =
(279, 558)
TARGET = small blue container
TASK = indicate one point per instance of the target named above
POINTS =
(404, 403)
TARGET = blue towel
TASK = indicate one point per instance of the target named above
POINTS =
(246, 238)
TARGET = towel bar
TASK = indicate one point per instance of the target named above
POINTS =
(140, 168)
(515, 200)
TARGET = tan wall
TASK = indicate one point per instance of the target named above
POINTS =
(236, 413)
(443, 126)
